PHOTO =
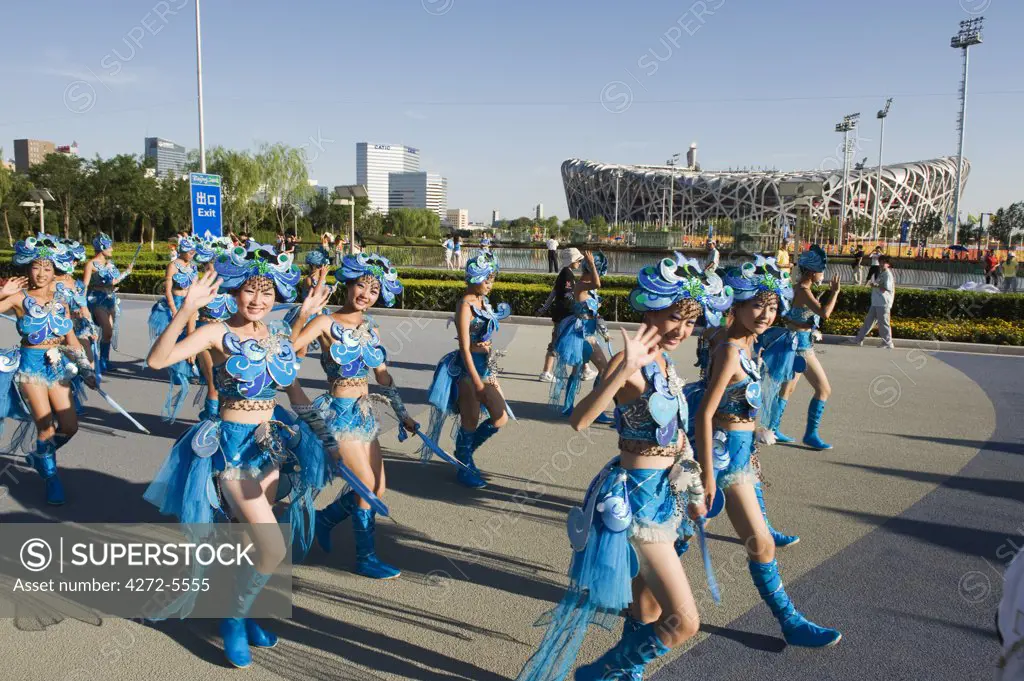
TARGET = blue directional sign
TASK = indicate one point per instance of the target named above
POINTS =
(904, 231)
(206, 213)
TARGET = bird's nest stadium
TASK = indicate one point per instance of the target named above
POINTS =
(660, 194)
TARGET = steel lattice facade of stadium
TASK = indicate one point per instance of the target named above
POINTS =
(910, 191)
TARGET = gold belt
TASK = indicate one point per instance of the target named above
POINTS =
(646, 448)
(350, 382)
(249, 405)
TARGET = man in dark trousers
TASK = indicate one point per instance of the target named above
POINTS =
(552, 254)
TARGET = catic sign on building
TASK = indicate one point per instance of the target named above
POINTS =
(387, 147)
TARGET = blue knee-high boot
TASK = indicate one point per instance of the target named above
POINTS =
(781, 540)
(796, 629)
(44, 460)
(814, 412)
(464, 453)
(367, 563)
(211, 409)
(104, 356)
(636, 649)
(332, 514)
(629, 626)
(483, 433)
(234, 630)
(780, 409)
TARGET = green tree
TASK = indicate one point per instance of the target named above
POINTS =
(413, 222)
(62, 175)
(1007, 223)
(240, 181)
(14, 188)
(6, 187)
(285, 179)
(598, 226)
(931, 225)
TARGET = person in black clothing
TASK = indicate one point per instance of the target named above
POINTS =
(858, 265)
(559, 303)
(552, 245)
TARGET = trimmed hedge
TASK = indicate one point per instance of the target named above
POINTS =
(982, 330)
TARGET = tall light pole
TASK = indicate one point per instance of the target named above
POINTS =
(618, 176)
(347, 195)
(970, 34)
(199, 82)
(845, 126)
(672, 189)
(878, 179)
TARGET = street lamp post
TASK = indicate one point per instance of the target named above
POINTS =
(970, 34)
(199, 86)
(39, 196)
(618, 176)
(347, 195)
(845, 126)
(878, 178)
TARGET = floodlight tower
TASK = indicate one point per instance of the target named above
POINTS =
(845, 126)
(970, 34)
(878, 179)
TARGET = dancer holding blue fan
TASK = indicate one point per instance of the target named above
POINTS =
(181, 273)
(351, 349)
(623, 535)
(725, 432)
(230, 466)
(465, 380)
(47, 361)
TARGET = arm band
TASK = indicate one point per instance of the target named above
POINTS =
(390, 392)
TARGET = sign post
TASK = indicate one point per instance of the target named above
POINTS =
(206, 203)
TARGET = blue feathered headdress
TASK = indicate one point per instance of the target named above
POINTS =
(210, 247)
(317, 257)
(661, 286)
(814, 259)
(102, 242)
(761, 275)
(371, 265)
(44, 247)
(600, 261)
(238, 265)
(75, 250)
(481, 268)
(186, 244)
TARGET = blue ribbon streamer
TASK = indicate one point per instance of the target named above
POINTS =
(708, 571)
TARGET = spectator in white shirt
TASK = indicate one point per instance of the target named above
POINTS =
(552, 254)
(882, 294)
(712, 263)
(449, 250)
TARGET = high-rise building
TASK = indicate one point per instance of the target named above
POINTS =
(374, 165)
(419, 190)
(540, 212)
(458, 218)
(27, 153)
(495, 216)
(169, 157)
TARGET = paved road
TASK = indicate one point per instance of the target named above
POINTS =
(902, 528)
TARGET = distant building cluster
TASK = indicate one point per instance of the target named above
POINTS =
(393, 179)
(28, 152)
(169, 157)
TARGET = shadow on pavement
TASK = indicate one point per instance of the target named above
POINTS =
(991, 487)
(768, 644)
(980, 445)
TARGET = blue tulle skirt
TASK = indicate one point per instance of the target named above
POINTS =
(349, 418)
(731, 452)
(782, 351)
(443, 395)
(12, 405)
(185, 487)
(180, 374)
(111, 303)
(36, 368)
(601, 575)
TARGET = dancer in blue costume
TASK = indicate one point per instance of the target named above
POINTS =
(221, 308)
(71, 292)
(789, 351)
(351, 349)
(465, 380)
(581, 337)
(707, 346)
(724, 434)
(181, 273)
(49, 357)
(254, 445)
(100, 279)
(317, 260)
(623, 539)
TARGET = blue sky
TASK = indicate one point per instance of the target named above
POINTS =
(497, 93)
